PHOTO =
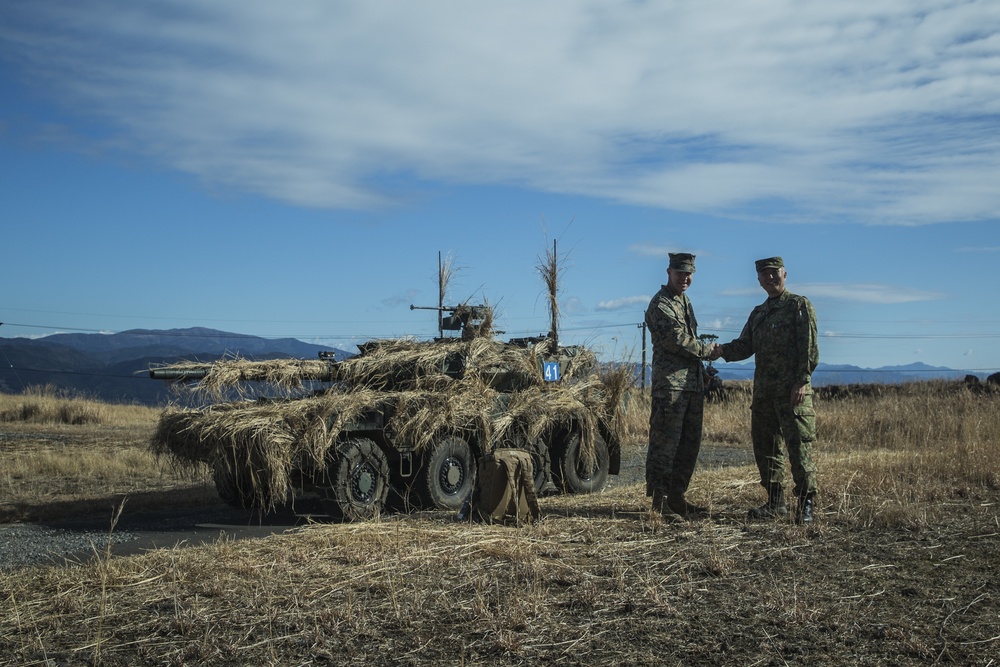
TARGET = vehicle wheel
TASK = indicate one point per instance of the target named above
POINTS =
(239, 487)
(449, 474)
(357, 481)
(574, 472)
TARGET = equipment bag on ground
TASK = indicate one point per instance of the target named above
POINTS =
(505, 489)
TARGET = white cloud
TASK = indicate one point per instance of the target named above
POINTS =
(857, 292)
(661, 251)
(400, 299)
(572, 306)
(875, 111)
(623, 303)
(650, 250)
(743, 291)
(868, 293)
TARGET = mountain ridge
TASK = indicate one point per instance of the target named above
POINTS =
(114, 367)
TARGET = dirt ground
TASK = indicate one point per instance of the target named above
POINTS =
(600, 580)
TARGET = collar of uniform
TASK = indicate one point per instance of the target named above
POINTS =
(670, 292)
(780, 299)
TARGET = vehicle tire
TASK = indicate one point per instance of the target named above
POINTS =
(357, 481)
(448, 475)
(574, 473)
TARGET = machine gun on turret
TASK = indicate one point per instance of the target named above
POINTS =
(473, 321)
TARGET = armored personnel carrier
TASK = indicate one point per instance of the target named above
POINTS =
(403, 422)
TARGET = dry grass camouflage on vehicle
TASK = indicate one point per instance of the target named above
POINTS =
(403, 416)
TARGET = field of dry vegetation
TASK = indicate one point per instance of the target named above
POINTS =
(898, 569)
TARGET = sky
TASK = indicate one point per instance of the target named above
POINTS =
(295, 169)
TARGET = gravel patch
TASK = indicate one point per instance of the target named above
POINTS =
(29, 544)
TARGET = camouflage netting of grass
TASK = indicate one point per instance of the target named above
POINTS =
(406, 382)
(226, 373)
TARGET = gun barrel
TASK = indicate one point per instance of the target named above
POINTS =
(178, 374)
(324, 371)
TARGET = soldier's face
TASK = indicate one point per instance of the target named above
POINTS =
(772, 280)
(679, 281)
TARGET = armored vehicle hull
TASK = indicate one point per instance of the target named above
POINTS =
(402, 424)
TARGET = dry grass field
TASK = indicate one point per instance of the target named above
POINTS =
(64, 457)
(898, 569)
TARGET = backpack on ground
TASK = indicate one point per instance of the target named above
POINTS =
(505, 488)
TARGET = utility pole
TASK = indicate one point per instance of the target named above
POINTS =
(642, 325)
(440, 297)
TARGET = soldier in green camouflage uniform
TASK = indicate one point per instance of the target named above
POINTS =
(675, 419)
(781, 333)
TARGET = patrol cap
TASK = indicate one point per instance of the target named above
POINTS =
(682, 261)
(769, 263)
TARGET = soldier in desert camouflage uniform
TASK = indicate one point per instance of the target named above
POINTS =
(781, 332)
(675, 419)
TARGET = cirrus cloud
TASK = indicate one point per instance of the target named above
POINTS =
(808, 110)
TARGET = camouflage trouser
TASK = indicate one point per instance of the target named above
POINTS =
(674, 440)
(772, 420)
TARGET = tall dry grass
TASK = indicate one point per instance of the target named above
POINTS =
(48, 405)
(726, 423)
(886, 459)
(62, 456)
(892, 459)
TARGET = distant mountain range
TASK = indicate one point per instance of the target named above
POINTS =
(114, 367)
(826, 374)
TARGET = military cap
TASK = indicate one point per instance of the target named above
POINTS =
(682, 261)
(769, 263)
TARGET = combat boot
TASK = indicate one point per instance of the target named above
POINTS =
(677, 504)
(804, 510)
(774, 508)
(657, 501)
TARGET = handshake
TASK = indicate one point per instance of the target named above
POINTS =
(716, 352)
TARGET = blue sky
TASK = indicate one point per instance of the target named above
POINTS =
(293, 169)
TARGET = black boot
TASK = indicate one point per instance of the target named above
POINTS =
(804, 510)
(657, 501)
(774, 508)
(677, 504)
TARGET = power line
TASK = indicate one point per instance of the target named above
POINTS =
(79, 373)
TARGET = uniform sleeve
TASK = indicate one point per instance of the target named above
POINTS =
(808, 348)
(671, 334)
(742, 347)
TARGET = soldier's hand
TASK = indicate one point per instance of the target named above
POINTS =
(798, 394)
